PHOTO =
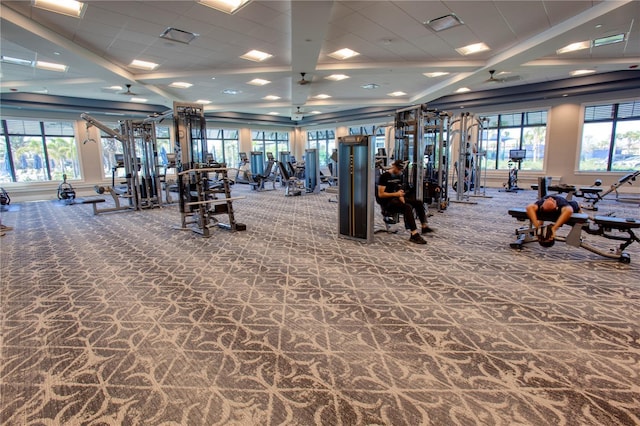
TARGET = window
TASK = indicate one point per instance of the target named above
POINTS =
(611, 137)
(269, 141)
(522, 130)
(110, 147)
(377, 132)
(324, 141)
(163, 142)
(224, 146)
(36, 151)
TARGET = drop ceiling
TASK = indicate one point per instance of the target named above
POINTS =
(395, 50)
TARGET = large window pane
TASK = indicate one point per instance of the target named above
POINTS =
(28, 158)
(63, 158)
(509, 139)
(596, 139)
(519, 131)
(534, 143)
(626, 146)
(611, 137)
(5, 162)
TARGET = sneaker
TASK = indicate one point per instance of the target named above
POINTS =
(416, 238)
(427, 230)
(6, 228)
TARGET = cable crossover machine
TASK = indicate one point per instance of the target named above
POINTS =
(141, 187)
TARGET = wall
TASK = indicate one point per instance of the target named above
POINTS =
(561, 158)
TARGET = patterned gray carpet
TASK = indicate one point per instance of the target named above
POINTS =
(119, 319)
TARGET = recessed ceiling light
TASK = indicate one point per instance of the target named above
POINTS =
(322, 96)
(396, 94)
(271, 98)
(582, 72)
(344, 54)
(139, 100)
(435, 74)
(136, 63)
(256, 56)
(16, 61)
(612, 39)
(274, 113)
(463, 90)
(65, 7)
(114, 88)
(443, 22)
(50, 66)
(203, 101)
(180, 85)
(231, 91)
(180, 36)
(574, 46)
(226, 6)
(337, 77)
(472, 48)
(315, 112)
(370, 86)
(258, 82)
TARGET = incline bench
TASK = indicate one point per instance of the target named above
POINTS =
(599, 225)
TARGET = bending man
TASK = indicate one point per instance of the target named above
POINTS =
(557, 208)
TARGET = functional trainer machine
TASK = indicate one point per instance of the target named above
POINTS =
(420, 142)
(128, 190)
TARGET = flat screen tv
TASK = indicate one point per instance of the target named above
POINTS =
(517, 154)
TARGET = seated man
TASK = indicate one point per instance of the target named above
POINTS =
(559, 208)
(392, 199)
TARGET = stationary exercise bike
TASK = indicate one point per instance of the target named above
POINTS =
(66, 191)
(515, 159)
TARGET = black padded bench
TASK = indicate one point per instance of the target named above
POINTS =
(617, 223)
(520, 213)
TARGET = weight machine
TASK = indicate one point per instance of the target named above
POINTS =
(420, 141)
(312, 171)
(355, 188)
(128, 189)
(199, 194)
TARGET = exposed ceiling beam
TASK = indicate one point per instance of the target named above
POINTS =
(309, 24)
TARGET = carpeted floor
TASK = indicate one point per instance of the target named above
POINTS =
(119, 319)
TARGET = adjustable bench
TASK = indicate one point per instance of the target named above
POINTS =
(528, 234)
(599, 225)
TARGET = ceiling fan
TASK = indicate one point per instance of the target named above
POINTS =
(298, 115)
(128, 92)
(493, 79)
(302, 81)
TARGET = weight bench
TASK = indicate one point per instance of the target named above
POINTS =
(599, 225)
(92, 201)
(527, 235)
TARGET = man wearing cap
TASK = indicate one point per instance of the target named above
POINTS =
(391, 197)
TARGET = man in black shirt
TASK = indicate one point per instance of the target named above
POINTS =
(392, 198)
(557, 207)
